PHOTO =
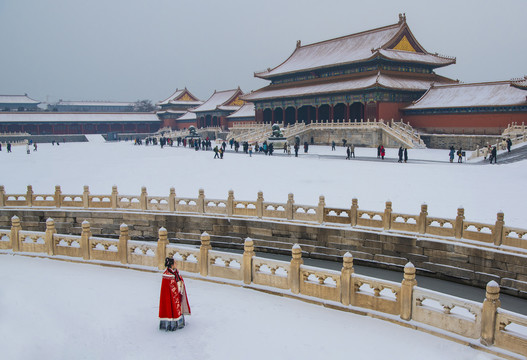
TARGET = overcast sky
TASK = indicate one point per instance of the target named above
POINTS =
(125, 50)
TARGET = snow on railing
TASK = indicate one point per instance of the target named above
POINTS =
(493, 234)
(484, 323)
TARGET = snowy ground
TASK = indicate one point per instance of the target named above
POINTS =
(482, 190)
(59, 310)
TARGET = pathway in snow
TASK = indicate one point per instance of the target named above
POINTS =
(60, 310)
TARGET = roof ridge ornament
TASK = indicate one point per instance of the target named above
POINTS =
(298, 44)
(402, 18)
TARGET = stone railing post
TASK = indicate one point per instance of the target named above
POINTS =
(489, 313)
(85, 240)
(144, 203)
(230, 203)
(321, 209)
(247, 267)
(347, 290)
(2, 196)
(289, 206)
(86, 197)
(122, 247)
(477, 150)
(458, 228)
(407, 291)
(294, 269)
(172, 200)
(58, 196)
(48, 238)
(421, 222)
(161, 251)
(201, 201)
(354, 211)
(387, 218)
(204, 254)
(497, 233)
(113, 197)
(259, 205)
(15, 229)
(29, 196)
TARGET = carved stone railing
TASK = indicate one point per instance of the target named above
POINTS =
(484, 325)
(493, 235)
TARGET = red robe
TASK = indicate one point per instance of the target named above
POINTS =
(172, 304)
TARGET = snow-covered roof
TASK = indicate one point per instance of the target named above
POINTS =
(52, 117)
(187, 116)
(354, 48)
(415, 57)
(520, 83)
(247, 110)
(218, 99)
(17, 99)
(174, 99)
(500, 93)
(94, 103)
(171, 112)
(378, 79)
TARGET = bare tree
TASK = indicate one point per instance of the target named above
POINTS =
(143, 106)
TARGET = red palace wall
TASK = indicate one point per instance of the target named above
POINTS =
(490, 123)
(388, 111)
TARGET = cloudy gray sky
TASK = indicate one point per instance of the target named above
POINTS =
(124, 50)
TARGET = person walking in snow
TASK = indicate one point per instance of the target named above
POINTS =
(405, 154)
(383, 152)
(509, 144)
(494, 155)
(400, 153)
(460, 155)
(348, 153)
(296, 149)
(216, 152)
(352, 151)
(378, 151)
(452, 153)
(250, 150)
(333, 146)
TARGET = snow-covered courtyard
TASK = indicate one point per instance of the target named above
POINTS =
(428, 177)
(60, 310)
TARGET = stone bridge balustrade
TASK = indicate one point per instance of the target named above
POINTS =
(486, 322)
(387, 220)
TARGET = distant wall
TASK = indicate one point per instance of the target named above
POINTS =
(39, 139)
(468, 142)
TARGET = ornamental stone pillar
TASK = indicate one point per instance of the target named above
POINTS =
(2, 196)
(144, 199)
(497, 232)
(85, 240)
(489, 313)
(247, 266)
(201, 201)
(113, 197)
(458, 227)
(407, 291)
(15, 229)
(294, 269)
(172, 200)
(421, 221)
(289, 206)
(259, 205)
(161, 251)
(354, 211)
(204, 254)
(230, 203)
(347, 291)
(29, 196)
(48, 238)
(58, 196)
(86, 197)
(321, 209)
(387, 218)
(122, 247)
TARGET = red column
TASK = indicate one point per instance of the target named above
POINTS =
(272, 116)
(331, 112)
(283, 116)
(347, 112)
(316, 113)
(296, 114)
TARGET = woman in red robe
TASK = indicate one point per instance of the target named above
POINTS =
(173, 302)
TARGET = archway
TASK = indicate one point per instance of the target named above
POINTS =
(289, 116)
(278, 115)
(339, 112)
(208, 120)
(323, 113)
(267, 116)
(356, 112)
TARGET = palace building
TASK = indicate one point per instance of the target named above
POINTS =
(215, 110)
(18, 103)
(386, 74)
(175, 106)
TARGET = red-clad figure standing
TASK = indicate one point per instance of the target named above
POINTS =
(173, 302)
